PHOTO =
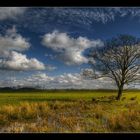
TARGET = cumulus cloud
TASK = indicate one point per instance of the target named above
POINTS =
(11, 12)
(69, 50)
(13, 41)
(10, 45)
(18, 61)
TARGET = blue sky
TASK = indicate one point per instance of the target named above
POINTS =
(45, 46)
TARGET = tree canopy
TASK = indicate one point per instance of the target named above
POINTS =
(118, 59)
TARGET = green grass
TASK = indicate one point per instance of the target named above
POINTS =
(15, 98)
(70, 111)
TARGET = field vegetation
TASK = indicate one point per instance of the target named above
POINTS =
(69, 111)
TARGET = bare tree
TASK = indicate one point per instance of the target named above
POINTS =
(118, 59)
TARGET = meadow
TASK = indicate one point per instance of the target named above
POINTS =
(69, 111)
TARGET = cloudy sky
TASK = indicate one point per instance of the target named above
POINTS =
(45, 47)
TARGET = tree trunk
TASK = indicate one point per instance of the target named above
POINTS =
(120, 92)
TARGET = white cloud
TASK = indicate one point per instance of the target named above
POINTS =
(18, 61)
(61, 81)
(64, 81)
(70, 50)
(11, 12)
(10, 45)
(13, 41)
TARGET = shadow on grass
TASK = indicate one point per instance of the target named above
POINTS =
(105, 99)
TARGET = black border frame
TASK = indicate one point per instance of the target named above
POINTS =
(70, 3)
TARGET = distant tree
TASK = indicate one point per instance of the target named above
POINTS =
(118, 59)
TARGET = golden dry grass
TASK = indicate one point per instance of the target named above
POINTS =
(71, 116)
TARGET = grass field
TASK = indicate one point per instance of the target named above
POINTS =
(69, 111)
